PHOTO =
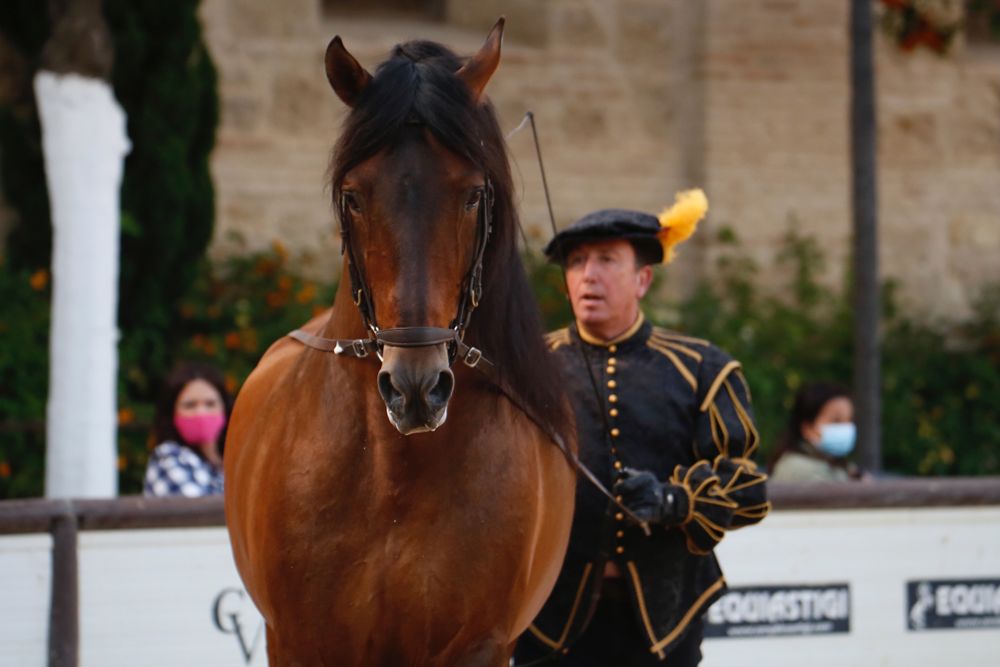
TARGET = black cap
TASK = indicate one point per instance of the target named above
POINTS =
(611, 223)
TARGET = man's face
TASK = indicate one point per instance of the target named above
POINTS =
(605, 286)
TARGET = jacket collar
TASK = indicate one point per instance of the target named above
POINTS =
(635, 331)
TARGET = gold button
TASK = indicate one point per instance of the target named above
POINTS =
(618, 465)
(612, 361)
(619, 550)
(615, 432)
(610, 370)
(613, 412)
(612, 384)
(612, 348)
(618, 498)
(619, 516)
(620, 534)
(613, 398)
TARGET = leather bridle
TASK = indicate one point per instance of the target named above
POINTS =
(472, 291)
(413, 336)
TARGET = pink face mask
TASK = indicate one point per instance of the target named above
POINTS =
(200, 429)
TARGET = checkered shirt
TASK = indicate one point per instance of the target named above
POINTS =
(174, 470)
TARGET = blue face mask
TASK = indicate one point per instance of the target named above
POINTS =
(837, 440)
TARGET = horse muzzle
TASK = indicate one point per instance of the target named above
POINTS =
(416, 384)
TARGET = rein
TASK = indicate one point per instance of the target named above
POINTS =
(529, 117)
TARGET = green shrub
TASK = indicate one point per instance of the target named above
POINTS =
(24, 369)
(166, 83)
(940, 381)
(233, 312)
(791, 334)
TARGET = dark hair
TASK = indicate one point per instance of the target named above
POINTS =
(163, 422)
(417, 84)
(809, 402)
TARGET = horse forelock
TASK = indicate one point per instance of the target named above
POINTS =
(417, 84)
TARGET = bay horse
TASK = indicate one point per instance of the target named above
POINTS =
(431, 537)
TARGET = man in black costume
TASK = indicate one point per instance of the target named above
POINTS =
(665, 421)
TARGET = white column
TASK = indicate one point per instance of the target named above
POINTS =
(84, 142)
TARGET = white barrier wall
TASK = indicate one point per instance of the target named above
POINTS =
(867, 587)
(25, 581)
(879, 555)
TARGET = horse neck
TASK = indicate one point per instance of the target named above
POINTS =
(345, 320)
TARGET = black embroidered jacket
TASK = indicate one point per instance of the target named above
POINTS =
(680, 408)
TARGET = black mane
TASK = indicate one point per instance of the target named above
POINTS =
(417, 84)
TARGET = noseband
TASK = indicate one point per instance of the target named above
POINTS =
(472, 291)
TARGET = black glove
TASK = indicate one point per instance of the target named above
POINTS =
(651, 500)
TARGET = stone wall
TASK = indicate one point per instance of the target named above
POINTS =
(635, 99)
(778, 147)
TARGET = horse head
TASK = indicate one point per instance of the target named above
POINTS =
(412, 184)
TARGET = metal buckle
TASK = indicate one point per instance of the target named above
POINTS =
(472, 357)
(360, 350)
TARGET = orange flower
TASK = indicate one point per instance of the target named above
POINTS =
(210, 348)
(126, 416)
(4, 469)
(284, 283)
(187, 311)
(306, 294)
(122, 462)
(39, 280)
(230, 383)
(232, 340)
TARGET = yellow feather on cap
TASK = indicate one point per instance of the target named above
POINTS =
(678, 222)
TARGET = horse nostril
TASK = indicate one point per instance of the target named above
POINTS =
(441, 392)
(388, 390)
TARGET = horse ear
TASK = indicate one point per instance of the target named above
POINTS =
(346, 75)
(477, 71)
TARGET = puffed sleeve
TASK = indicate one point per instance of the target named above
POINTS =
(725, 489)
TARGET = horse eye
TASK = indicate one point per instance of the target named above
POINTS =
(474, 200)
(351, 202)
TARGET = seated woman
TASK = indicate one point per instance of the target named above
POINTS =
(820, 434)
(190, 427)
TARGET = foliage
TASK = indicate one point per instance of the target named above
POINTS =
(982, 20)
(933, 24)
(938, 379)
(234, 310)
(784, 337)
(939, 394)
(24, 336)
(231, 315)
(165, 80)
